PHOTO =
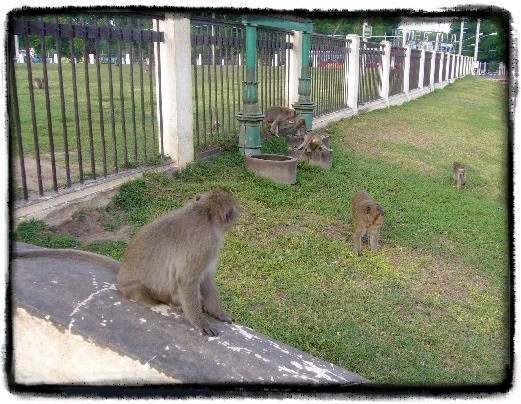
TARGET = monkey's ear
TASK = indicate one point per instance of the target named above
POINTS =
(197, 197)
(368, 209)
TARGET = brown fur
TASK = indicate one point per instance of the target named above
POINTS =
(38, 83)
(459, 174)
(277, 115)
(368, 218)
(312, 143)
(173, 260)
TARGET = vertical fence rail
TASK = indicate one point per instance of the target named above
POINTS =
(396, 71)
(217, 59)
(414, 71)
(427, 69)
(57, 114)
(370, 62)
(328, 73)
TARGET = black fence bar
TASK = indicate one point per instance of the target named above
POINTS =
(370, 63)
(100, 102)
(59, 101)
(414, 70)
(328, 73)
(111, 101)
(14, 119)
(427, 69)
(63, 109)
(76, 108)
(396, 71)
(33, 109)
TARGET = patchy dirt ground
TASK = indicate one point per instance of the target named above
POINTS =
(85, 227)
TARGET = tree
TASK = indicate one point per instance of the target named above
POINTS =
(493, 43)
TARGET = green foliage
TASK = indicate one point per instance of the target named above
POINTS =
(275, 145)
(38, 233)
(110, 248)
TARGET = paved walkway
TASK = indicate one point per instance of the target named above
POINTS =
(82, 298)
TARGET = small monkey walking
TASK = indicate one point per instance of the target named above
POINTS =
(459, 173)
(38, 83)
(368, 217)
(173, 260)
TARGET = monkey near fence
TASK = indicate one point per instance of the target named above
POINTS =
(173, 260)
(459, 173)
(278, 115)
(368, 217)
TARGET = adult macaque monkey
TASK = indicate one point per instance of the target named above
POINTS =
(277, 115)
(173, 260)
(459, 173)
(313, 142)
(38, 83)
(368, 217)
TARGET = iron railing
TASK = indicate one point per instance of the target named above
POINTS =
(427, 69)
(328, 73)
(82, 98)
(218, 72)
(397, 70)
(370, 65)
(414, 70)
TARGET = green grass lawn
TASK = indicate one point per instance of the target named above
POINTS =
(430, 308)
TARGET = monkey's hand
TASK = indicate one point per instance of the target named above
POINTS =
(222, 315)
(207, 330)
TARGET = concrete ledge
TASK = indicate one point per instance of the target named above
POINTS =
(56, 208)
(323, 120)
(81, 299)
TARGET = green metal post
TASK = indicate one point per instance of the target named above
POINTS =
(304, 105)
(250, 117)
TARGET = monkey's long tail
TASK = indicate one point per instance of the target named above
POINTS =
(70, 253)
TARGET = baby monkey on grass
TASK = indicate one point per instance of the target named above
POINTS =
(368, 217)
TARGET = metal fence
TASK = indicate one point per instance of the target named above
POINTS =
(437, 67)
(218, 72)
(217, 76)
(397, 70)
(370, 78)
(448, 68)
(427, 69)
(82, 99)
(414, 70)
(273, 62)
(328, 73)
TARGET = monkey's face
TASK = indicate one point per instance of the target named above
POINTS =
(301, 123)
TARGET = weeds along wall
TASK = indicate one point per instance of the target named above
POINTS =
(100, 95)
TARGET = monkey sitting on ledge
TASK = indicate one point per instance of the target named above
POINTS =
(173, 260)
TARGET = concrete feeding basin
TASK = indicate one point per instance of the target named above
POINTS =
(276, 167)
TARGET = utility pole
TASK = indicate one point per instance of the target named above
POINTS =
(461, 35)
(476, 45)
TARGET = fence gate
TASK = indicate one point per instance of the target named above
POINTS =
(82, 98)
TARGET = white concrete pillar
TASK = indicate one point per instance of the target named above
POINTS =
(21, 58)
(91, 58)
(406, 69)
(453, 67)
(55, 58)
(127, 59)
(446, 67)
(421, 74)
(199, 59)
(354, 72)
(276, 60)
(176, 88)
(433, 66)
(293, 67)
(386, 67)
